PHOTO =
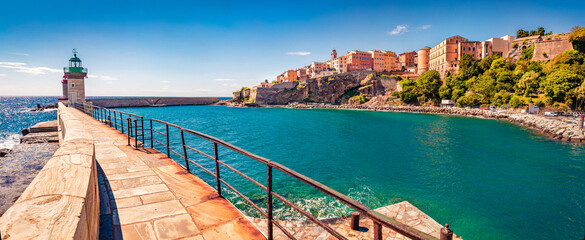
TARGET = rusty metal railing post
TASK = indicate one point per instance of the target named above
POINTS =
(217, 177)
(355, 221)
(122, 123)
(185, 151)
(168, 146)
(110, 117)
(115, 121)
(446, 233)
(151, 136)
(269, 200)
(377, 231)
(129, 130)
(142, 130)
(135, 133)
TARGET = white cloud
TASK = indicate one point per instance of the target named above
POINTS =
(2, 74)
(400, 29)
(299, 53)
(109, 78)
(23, 68)
(424, 27)
(92, 76)
(165, 81)
(18, 53)
(223, 79)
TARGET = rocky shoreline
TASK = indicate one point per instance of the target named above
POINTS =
(554, 128)
(20, 165)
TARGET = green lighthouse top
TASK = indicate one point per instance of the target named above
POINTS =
(74, 58)
(75, 64)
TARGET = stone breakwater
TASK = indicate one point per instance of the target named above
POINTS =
(552, 127)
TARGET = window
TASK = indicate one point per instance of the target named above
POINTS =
(72, 85)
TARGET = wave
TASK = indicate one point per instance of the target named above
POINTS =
(9, 141)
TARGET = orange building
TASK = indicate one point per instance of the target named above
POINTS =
(302, 74)
(444, 57)
(358, 60)
(290, 76)
(384, 61)
(407, 60)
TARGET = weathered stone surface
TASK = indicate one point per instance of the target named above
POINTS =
(175, 227)
(148, 212)
(62, 201)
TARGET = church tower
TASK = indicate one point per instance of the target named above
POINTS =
(333, 54)
(76, 74)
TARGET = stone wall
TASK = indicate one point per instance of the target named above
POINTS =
(148, 102)
(552, 48)
(62, 202)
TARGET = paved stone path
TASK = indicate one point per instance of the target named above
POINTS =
(146, 195)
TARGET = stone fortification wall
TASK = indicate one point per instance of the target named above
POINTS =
(148, 102)
(552, 48)
(62, 202)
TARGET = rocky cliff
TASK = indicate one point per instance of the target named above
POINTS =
(335, 89)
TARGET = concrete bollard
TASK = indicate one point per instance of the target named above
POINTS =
(581, 121)
(355, 221)
(446, 233)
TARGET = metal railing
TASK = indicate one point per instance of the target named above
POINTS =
(135, 129)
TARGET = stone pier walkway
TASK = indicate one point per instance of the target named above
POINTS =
(146, 195)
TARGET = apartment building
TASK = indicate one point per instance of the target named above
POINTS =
(358, 61)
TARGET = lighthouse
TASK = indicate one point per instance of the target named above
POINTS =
(74, 80)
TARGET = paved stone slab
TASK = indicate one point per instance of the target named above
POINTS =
(175, 227)
(148, 212)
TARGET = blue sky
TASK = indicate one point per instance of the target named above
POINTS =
(211, 48)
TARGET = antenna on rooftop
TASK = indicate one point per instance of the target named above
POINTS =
(74, 51)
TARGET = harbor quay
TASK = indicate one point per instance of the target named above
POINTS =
(105, 184)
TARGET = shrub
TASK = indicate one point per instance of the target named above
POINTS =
(577, 38)
(515, 102)
(360, 98)
(539, 103)
(515, 45)
(544, 54)
(527, 53)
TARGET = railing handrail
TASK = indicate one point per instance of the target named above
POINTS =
(377, 217)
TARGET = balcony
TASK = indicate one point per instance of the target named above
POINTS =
(75, 70)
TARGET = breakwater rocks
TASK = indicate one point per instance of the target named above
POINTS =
(553, 127)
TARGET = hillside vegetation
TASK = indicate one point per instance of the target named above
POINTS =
(495, 81)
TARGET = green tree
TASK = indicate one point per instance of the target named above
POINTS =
(515, 102)
(540, 31)
(528, 83)
(521, 33)
(465, 63)
(429, 83)
(577, 38)
(501, 98)
(445, 92)
(469, 100)
(558, 84)
(457, 93)
(527, 53)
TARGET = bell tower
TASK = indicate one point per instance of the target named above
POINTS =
(333, 54)
(76, 74)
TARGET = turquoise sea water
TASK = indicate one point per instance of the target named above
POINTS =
(488, 179)
(15, 115)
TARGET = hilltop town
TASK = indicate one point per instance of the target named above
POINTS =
(450, 73)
